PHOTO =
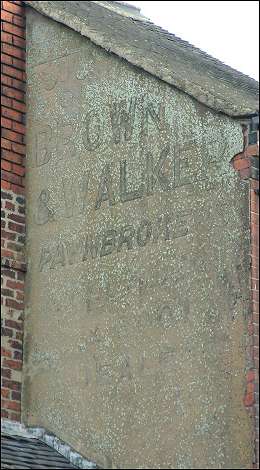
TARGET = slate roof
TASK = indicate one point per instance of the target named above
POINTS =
(127, 34)
(30, 453)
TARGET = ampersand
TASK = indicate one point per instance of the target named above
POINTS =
(44, 213)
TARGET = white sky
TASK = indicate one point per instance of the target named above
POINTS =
(227, 30)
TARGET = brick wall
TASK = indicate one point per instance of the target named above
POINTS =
(253, 153)
(247, 163)
(12, 203)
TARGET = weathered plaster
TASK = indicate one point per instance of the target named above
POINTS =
(136, 356)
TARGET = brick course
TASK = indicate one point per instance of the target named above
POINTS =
(12, 204)
(247, 164)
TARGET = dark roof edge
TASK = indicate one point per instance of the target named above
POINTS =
(12, 428)
(207, 97)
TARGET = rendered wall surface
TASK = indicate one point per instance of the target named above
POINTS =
(138, 268)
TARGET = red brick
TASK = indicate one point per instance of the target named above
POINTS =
(11, 405)
(18, 170)
(15, 285)
(254, 220)
(4, 414)
(13, 51)
(14, 324)
(6, 123)
(255, 296)
(9, 206)
(20, 128)
(12, 178)
(18, 148)
(245, 173)
(12, 385)
(6, 37)
(16, 227)
(13, 8)
(15, 344)
(16, 396)
(5, 393)
(255, 184)
(5, 352)
(18, 84)
(250, 376)
(11, 114)
(250, 388)
(252, 150)
(6, 59)
(255, 353)
(12, 72)
(6, 254)
(255, 272)
(17, 218)
(12, 135)
(19, 42)
(5, 80)
(12, 93)
(255, 237)
(254, 201)
(18, 21)
(242, 164)
(20, 64)
(6, 102)
(18, 355)
(18, 106)
(10, 28)
(8, 235)
(13, 157)
(13, 304)
(249, 399)
(6, 144)
(10, 363)
(6, 16)
(6, 165)
(19, 190)
(238, 156)
(5, 185)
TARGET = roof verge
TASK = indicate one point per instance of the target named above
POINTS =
(159, 53)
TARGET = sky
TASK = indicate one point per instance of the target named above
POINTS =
(227, 30)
